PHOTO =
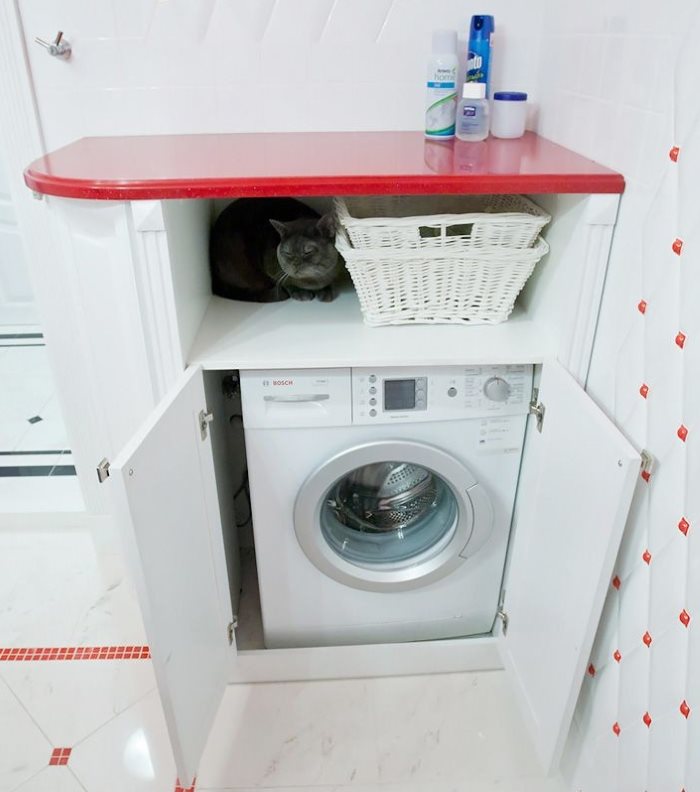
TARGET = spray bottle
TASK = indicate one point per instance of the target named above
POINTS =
(479, 50)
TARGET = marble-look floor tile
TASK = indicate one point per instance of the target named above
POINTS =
(35, 610)
(53, 779)
(24, 750)
(292, 734)
(435, 728)
(131, 752)
(465, 785)
(69, 700)
(48, 494)
(413, 733)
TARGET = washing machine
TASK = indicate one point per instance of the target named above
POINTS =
(382, 499)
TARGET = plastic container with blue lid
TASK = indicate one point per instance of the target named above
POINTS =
(508, 114)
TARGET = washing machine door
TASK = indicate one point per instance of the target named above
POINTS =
(391, 516)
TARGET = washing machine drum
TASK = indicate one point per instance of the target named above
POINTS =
(391, 516)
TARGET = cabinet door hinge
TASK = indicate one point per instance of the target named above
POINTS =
(231, 629)
(537, 408)
(501, 612)
(205, 418)
(103, 471)
(503, 616)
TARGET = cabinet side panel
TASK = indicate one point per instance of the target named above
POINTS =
(187, 225)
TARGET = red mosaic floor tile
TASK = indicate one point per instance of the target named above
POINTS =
(60, 756)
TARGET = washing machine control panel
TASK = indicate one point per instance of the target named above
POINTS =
(387, 395)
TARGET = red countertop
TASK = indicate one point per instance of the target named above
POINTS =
(306, 163)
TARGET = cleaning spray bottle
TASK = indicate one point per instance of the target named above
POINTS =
(479, 50)
(441, 98)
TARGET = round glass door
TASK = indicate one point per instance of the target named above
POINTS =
(391, 515)
(388, 514)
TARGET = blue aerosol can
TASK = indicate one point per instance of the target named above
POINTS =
(479, 50)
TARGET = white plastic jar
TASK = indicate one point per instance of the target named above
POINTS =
(508, 113)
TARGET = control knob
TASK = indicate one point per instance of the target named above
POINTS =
(497, 389)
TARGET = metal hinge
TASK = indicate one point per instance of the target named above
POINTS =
(501, 612)
(231, 627)
(103, 471)
(205, 418)
(537, 408)
(646, 464)
(503, 616)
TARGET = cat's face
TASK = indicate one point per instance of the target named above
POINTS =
(306, 251)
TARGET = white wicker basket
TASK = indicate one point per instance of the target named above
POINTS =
(444, 286)
(440, 221)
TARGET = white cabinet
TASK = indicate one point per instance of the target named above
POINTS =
(576, 486)
(136, 277)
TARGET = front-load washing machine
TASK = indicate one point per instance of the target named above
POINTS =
(382, 499)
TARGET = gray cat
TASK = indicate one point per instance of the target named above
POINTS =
(269, 249)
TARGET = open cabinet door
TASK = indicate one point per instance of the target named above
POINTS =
(578, 477)
(167, 506)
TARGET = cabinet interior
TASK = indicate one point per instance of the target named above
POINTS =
(223, 334)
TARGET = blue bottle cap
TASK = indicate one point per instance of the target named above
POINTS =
(482, 26)
(510, 96)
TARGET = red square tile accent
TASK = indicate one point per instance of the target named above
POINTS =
(591, 670)
(685, 709)
(684, 617)
(680, 339)
(646, 557)
(616, 582)
(683, 526)
(646, 719)
(616, 728)
(180, 788)
(673, 153)
(642, 306)
(644, 390)
(617, 656)
(646, 639)
(34, 653)
(646, 475)
(677, 246)
(682, 432)
(60, 756)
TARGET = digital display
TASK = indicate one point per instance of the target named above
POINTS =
(400, 394)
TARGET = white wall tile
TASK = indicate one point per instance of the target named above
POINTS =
(313, 64)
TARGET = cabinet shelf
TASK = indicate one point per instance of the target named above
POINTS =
(295, 334)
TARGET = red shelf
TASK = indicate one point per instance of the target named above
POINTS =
(328, 163)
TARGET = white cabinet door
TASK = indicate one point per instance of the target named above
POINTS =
(166, 501)
(577, 482)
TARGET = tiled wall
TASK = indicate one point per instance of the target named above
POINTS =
(619, 84)
(158, 66)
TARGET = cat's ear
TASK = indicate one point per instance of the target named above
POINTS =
(326, 226)
(281, 228)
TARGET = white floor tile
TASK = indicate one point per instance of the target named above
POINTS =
(40, 494)
(63, 588)
(457, 731)
(437, 728)
(131, 752)
(53, 779)
(70, 700)
(25, 750)
(465, 785)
